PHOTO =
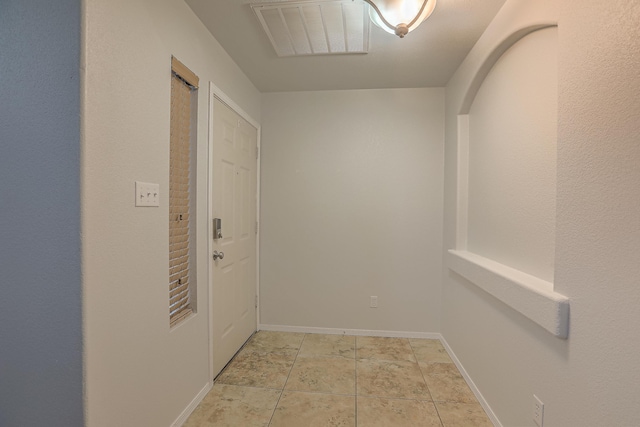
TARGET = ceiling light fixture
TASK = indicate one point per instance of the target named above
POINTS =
(400, 17)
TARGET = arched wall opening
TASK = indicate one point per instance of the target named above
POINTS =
(507, 136)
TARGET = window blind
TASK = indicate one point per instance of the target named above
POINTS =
(183, 84)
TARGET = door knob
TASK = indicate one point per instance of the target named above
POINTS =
(218, 255)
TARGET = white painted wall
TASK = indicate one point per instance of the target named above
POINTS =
(40, 269)
(129, 348)
(352, 207)
(512, 157)
(592, 378)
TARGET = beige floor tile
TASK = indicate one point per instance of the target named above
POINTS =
(232, 406)
(297, 409)
(446, 383)
(328, 345)
(463, 415)
(202, 412)
(275, 342)
(440, 369)
(431, 351)
(445, 388)
(383, 348)
(392, 379)
(323, 374)
(268, 370)
(379, 412)
(393, 390)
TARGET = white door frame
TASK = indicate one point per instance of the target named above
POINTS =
(215, 92)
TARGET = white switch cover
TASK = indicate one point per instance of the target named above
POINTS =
(538, 410)
(147, 194)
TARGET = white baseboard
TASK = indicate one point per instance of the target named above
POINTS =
(357, 332)
(492, 416)
(192, 406)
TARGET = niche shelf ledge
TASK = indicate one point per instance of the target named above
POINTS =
(527, 294)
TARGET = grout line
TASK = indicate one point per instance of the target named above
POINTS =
(433, 402)
(438, 412)
(320, 392)
(413, 399)
(287, 380)
(355, 361)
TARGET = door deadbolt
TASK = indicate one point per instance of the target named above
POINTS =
(217, 228)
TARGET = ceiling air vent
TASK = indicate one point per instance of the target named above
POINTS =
(315, 27)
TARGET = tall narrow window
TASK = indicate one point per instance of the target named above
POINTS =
(184, 86)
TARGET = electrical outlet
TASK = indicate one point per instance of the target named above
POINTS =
(374, 302)
(538, 410)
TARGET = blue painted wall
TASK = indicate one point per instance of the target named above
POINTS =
(40, 265)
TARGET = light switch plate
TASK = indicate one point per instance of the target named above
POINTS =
(147, 194)
(538, 410)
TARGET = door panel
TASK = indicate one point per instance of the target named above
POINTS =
(234, 201)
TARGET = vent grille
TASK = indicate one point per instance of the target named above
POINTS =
(315, 28)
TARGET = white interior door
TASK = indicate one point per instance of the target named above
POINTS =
(234, 197)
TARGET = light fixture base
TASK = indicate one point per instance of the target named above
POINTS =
(402, 30)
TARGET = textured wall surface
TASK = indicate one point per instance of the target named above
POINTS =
(138, 371)
(598, 228)
(352, 207)
(40, 268)
(592, 378)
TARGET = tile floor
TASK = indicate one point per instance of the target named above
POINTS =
(306, 380)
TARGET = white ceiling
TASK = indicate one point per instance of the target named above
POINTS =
(427, 57)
